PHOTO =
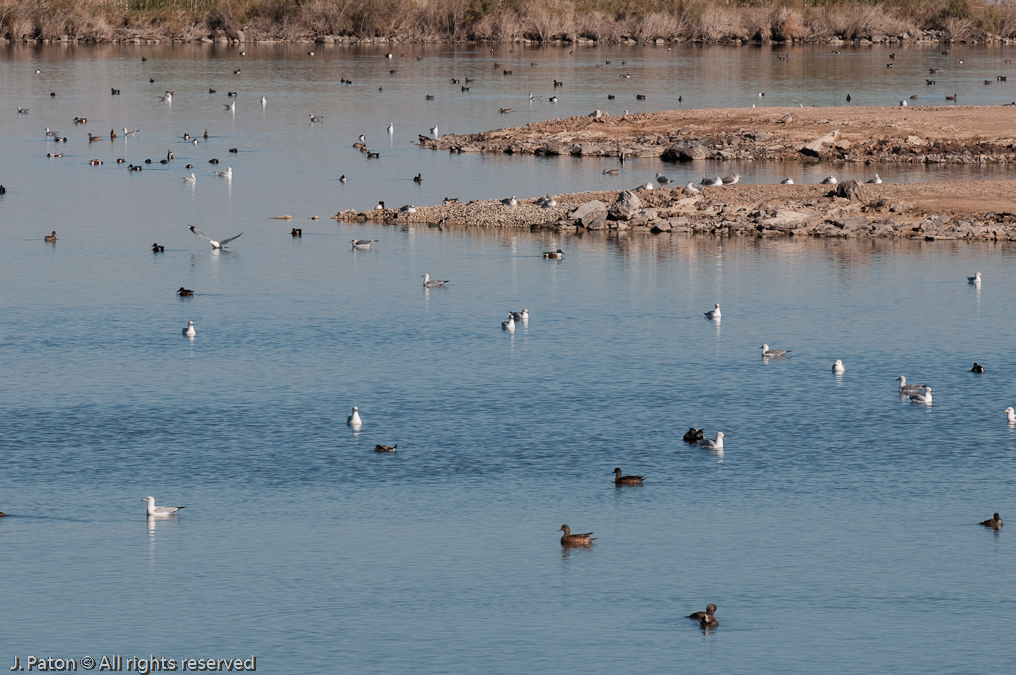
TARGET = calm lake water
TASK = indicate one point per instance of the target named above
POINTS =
(836, 532)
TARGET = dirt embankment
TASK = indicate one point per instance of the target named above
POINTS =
(926, 134)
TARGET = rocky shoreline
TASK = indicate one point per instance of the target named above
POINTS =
(910, 135)
(847, 210)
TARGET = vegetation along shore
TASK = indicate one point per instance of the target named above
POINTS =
(567, 21)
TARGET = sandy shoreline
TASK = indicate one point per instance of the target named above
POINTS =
(926, 134)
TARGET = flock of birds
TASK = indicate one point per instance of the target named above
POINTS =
(716, 181)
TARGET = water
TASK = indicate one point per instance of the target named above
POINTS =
(835, 533)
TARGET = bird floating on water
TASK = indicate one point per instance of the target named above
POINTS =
(994, 523)
(975, 280)
(693, 435)
(875, 181)
(314, 119)
(554, 255)
(51, 238)
(385, 448)
(160, 511)
(508, 325)
(626, 480)
(520, 316)
(184, 292)
(215, 244)
(433, 283)
(924, 398)
(362, 243)
(714, 313)
(908, 389)
(838, 367)
(977, 368)
(1010, 415)
(702, 616)
(569, 539)
(713, 444)
(189, 330)
(661, 179)
(773, 353)
(391, 128)
(354, 418)
(158, 249)
(191, 178)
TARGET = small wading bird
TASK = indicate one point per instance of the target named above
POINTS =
(160, 511)
(215, 244)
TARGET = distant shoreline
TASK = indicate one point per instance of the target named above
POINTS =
(507, 22)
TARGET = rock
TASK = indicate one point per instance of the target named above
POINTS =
(851, 223)
(786, 219)
(586, 212)
(851, 189)
(626, 207)
(820, 145)
(915, 140)
(597, 221)
(685, 152)
(661, 226)
(599, 113)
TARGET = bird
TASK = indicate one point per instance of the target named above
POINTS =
(189, 330)
(133, 132)
(787, 181)
(731, 180)
(191, 178)
(829, 180)
(994, 523)
(380, 206)
(362, 243)
(51, 237)
(647, 186)
(908, 389)
(554, 255)
(1010, 415)
(433, 283)
(228, 173)
(158, 249)
(342, 178)
(691, 189)
(552, 99)
(434, 132)
(315, 118)
(626, 480)
(408, 208)
(547, 202)
(710, 182)
(569, 539)
(160, 511)
(924, 398)
(168, 97)
(231, 106)
(610, 172)
(698, 616)
(876, 180)
(661, 179)
(520, 316)
(773, 353)
(975, 280)
(711, 444)
(354, 418)
(184, 292)
(977, 368)
(693, 435)
(391, 128)
(418, 178)
(903, 104)
(264, 101)
(22, 111)
(215, 244)
(838, 367)
(385, 448)
(508, 325)
(296, 232)
(714, 313)
(510, 201)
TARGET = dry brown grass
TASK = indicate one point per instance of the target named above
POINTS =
(505, 20)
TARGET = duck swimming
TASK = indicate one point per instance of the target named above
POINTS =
(698, 616)
(385, 448)
(977, 368)
(554, 255)
(51, 237)
(626, 480)
(184, 292)
(158, 249)
(569, 539)
(693, 435)
(994, 523)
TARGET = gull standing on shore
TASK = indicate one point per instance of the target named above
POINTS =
(691, 189)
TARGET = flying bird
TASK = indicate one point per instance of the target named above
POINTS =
(215, 244)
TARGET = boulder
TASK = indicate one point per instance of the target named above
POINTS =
(597, 221)
(786, 219)
(851, 189)
(820, 145)
(626, 207)
(685, 152)
(585, 212)
(599, 113)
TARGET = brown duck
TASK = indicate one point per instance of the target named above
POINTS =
(184, 292)
(51, 237)
(995, 522)
(385, 448)
(569, 539)
(706, 619)
(554, 255)
(626, 480)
